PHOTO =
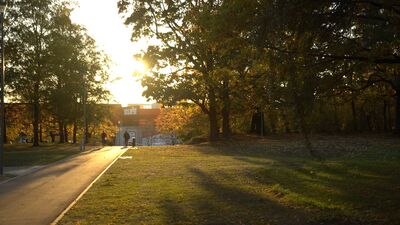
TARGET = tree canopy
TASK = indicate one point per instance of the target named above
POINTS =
(51, 62)
(306, 65)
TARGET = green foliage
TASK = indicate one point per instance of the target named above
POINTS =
(100, 119)
(287, 58)
(18, 119)
(196, 54)
(52, 62)
(337, 48)
(183, 121)
(29, 25)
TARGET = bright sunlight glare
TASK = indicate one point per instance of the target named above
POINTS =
(112, 36)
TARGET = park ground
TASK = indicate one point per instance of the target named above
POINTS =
(268, 181)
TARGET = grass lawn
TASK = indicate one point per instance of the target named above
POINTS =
(262, 182)
(26, 155)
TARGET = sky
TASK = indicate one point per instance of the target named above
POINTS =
(106, 26)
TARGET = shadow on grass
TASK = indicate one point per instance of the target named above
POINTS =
(339, 191)
(220, 203)
(175, 213)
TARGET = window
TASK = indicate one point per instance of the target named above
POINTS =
(130, 111)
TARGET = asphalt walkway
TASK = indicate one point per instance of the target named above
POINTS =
(38, 198)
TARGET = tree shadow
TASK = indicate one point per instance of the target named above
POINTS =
(175, 214)
(343, 190)
(354, 197)
(29, 179)
(222, 203)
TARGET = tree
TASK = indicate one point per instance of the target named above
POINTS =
(30, 26)
(190, 62)
(185, 121)
(49, 58)
(184, 48)
(231, 56)
(363, 34)
(74, 59)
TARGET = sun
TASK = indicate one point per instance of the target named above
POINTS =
(126, 87)
(140, 68)
(107, 27)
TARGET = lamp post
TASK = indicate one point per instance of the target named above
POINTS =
(3, 7)
(119, 132)
(83, 144)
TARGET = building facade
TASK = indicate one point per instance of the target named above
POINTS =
(138, 121)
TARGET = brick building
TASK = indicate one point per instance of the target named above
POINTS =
(137, 120)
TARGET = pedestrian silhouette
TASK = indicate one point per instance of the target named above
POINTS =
(126, 137)
(103, 138)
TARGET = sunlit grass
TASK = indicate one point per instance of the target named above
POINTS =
(263, 183)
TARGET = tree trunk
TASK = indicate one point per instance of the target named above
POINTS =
(305, 128)
(213, 136)
(397, 90)
(385, 122)
(368, 121)
(61, 131)
(397, 126)
(262, 124)
(5, 126)
(226, 127)
(36, 115)
(40, 133)
(74, 130)
(52, 136)
(285, 122)
(390, 123)
(65, 133)
(336, 119)
(87, 135)
(272, 120)
(354, 112)
(258, 123)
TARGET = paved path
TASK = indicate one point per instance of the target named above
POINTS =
(38, 198)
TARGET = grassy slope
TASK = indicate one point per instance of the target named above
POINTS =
(25, 155)
(264, 183)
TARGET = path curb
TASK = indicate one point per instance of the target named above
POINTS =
(59, 217)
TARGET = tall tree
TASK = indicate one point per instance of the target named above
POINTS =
(194, 60)
(184, 48)
(76, 66)
(52, 61)
(30, 24)
(363, 34)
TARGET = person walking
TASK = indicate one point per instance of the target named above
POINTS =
(103, 138)
(52, 136)
(126, 138)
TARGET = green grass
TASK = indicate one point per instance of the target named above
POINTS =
(25, 155)
(265, 182)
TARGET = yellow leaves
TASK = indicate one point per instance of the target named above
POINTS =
(178, 120)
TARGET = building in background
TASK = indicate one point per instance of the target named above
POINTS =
(138, 121)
